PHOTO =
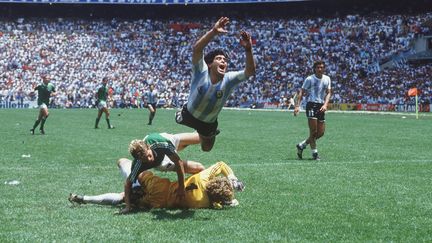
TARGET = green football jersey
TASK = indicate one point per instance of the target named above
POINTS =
(102, 93)
(44, 93)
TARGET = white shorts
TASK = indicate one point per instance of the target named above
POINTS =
(167, 164)
(43, 106)
(102, 104)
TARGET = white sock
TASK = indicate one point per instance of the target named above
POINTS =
(105, 199)
(303, 144)
(314, 151)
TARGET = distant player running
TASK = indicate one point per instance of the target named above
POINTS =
(102, 98)
(45, 91)
(318, 87)
(211, 84)
(211, 188)
(151, 101)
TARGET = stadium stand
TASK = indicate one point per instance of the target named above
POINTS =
(135, 53)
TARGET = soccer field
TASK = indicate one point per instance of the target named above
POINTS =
(373, 182)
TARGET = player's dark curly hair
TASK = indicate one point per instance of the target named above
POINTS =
(219, 190)
(316, 63)
(212, 54)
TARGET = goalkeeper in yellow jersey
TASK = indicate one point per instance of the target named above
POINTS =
(211, 188)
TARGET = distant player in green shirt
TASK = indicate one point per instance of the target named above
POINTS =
(102, 97)
(45, 91)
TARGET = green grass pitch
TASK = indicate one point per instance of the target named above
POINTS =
(373, 183)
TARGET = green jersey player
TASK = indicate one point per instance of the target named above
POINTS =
(45, 91)
(102, 97)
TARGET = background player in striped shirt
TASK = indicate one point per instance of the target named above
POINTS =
(45, 91)
(211, 84)
(318, 88)
(151, 101)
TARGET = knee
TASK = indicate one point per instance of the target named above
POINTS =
(320, 135)
(200, 167)
(121, 162)
(141, 176)
(313, 134)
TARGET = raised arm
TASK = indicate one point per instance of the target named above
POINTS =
(246, 42)
(198, 48)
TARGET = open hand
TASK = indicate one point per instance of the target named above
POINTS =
(245, 40)
(220, 25)
(126, 210)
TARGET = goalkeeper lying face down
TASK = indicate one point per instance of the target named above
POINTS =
(211, 188)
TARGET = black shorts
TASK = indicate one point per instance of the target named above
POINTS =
(152, 104)
(184, 117)
(313, 111)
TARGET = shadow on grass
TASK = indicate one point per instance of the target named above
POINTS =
(171, 214)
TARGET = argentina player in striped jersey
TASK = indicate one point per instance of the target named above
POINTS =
(151, 101)
(317, 87)
(212, 84)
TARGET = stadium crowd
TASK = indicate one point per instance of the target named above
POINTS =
(78, 53)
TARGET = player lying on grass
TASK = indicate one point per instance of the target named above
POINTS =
(206, 189)
(159, 151)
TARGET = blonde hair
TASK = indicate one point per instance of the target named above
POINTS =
(138, 148)
(219, 190)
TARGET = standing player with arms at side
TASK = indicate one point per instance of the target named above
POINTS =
(102, 97)
(45, 91)
(211, 84)
(318, 87)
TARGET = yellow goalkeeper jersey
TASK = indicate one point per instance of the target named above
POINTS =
(161, 192)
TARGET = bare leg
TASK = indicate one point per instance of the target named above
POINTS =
(43, 115)
(187, 139)
(320, 129)
(152, 114)
(313, 123)
(192, 167)
(98, 118)
(107, 115)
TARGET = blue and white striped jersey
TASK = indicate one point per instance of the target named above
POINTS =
(317, 88)
(206, 99)
(152, 96)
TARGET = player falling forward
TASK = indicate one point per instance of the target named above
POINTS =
(211, 84)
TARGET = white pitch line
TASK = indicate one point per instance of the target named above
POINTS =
(318, 163)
